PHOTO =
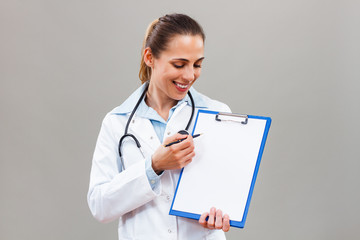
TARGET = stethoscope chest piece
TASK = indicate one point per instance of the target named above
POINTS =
(183, 132)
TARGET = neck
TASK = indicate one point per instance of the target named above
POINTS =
(159, 101)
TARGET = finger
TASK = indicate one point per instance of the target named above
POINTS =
(202, 219)
(181, 136)
(190, 139)
(211, 220)
(188, 158)
(218, 219)
(188, 142)
(186, 163)
(226, 223)
(184, 147)
(188, 152)
(174, 138)
(177, 144)
(184, 154)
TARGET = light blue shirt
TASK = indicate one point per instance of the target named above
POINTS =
(157, 121)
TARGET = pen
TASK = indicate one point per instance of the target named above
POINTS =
(180, 140)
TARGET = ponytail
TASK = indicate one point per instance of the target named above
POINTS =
(145, 71)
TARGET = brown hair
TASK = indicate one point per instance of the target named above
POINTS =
(160, 32)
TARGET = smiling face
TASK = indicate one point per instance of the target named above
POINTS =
(175, 70)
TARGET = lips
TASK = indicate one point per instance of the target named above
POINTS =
(181, 87)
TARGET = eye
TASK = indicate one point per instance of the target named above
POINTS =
(197, 65)
(178, 66)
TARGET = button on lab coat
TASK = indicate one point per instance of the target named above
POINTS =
(126, 195)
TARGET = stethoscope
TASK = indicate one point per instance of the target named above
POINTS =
(126, 134)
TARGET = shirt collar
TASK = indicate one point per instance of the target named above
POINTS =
(128, 105)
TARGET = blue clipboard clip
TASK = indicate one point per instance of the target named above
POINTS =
(217, 117)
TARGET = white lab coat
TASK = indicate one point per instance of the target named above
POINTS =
(126, 195)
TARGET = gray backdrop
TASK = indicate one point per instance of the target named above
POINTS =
(64, 64)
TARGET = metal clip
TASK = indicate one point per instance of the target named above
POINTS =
(232, 115)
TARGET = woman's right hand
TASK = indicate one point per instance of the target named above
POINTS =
(175, 156)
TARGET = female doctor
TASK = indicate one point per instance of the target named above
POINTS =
(137, 188)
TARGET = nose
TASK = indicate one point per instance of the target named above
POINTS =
(189, 74)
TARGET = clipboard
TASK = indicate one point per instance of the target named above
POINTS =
(224, 169)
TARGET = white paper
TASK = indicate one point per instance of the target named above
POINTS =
(221, 173)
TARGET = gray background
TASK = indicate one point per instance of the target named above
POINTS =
(65, 64)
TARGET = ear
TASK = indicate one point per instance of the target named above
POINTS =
(148, 57)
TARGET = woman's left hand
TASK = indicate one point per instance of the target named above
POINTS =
(216, 220)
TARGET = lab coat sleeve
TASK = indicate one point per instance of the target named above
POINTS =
(113, 193)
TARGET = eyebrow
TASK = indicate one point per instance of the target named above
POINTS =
(186, 60)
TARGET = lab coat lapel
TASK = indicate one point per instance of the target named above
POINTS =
(179, 119)
(144, 131)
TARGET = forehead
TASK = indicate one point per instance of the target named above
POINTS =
(185, 46)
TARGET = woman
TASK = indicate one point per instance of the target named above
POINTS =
(137, 188)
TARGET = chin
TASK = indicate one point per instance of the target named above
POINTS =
(178, 96)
